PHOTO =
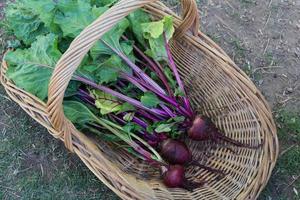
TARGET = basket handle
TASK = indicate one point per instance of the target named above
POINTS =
(191, 19)
(72, 58)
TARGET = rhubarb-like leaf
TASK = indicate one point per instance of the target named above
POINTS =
(136, 20)
(46, 10)
(112, 38)
(78, 113)
(103, 2)
(109, 70)
(75, 15)
(153, 32)
(24, 22)
(31, 69)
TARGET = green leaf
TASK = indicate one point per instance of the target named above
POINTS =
(153, 29)
(126, 107)
(25, 24)
(109, 70)
(107, 75)
(112, 38)
(72, 88)
(178, 119)
(87, 71)
(179, 92)
(127, 47)
(103, 134)
(46, 10)
(153, 32)
(150, 100)
(31, 68)
(150, 129)
(136, 20)
(164, 128)
(157, 49)
(106, 102)
(107, 3)
(109, 137)
(13, 44)
(75, 15)
(31, 78)
(78, 113)
(169, 27)
(131, 127)
(170, 76)
(129, 116)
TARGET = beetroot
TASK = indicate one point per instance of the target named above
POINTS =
(199, 130)
(175, 176)
(203, 129)
(175, 152)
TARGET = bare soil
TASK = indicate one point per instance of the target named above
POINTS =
(263, 39)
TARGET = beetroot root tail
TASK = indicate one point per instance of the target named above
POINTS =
(210, 169)
(220, 136)
(191, 186)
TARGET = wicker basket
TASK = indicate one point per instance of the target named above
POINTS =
(217, 88)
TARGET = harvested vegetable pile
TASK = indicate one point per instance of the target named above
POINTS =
(127, 90)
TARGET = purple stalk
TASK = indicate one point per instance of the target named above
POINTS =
(141, 85)
(84, 95)
(165, 108)
(131, 143)
(154, 118)
(152, 85)
(171, 101)
(137, 121)
(177, 76)
(132, 80)
(122, 97)
(154, 66)
(144, 134)
(122, 84)
(87, 100)
(136, 69)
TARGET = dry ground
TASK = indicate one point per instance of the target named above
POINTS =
(261, 36)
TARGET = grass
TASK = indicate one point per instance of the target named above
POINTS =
(285, 181)
(33, 165)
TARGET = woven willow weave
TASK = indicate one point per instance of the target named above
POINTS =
(217, 88)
